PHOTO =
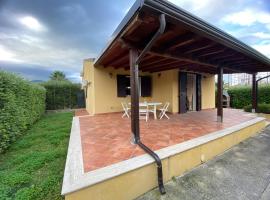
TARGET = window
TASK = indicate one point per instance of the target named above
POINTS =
(123, 86)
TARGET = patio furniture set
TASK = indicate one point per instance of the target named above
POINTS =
(145, 108)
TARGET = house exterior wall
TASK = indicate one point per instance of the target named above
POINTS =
(88, 74)
(165, 88)
(102, 91)
(208, 92)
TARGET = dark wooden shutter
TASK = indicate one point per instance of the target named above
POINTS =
(121, 85)
(183, 92)
(198, 92)
(146, 86)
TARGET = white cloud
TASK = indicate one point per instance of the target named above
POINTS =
(32, 23)
(262, 35)
(6, 55)
(247, 17)
(263, 48)
(41, 51)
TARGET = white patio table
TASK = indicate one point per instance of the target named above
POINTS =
(153, 104)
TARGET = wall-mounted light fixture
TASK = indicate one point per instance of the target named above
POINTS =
(111, 74)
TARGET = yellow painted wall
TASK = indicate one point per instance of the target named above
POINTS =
(135, 183)
(106, 99)
(208, 91)
(165, 88)
(102, 92)
(88, 74)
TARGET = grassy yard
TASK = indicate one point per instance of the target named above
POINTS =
(33, 167)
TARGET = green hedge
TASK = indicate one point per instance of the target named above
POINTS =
(261, 108)
(242, 96)
(61, 94)
(21, 104)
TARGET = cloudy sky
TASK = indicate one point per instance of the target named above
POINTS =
(37, 36)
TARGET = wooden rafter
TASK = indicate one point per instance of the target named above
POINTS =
(179, 41)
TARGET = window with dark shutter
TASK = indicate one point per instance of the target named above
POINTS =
(122, 85)
(146, 86)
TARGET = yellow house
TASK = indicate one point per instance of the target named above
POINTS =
(163, 54)
(102, 85)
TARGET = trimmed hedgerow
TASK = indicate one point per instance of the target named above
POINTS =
(61, 94)
(261, 108)
(21, 104)
(242, 95)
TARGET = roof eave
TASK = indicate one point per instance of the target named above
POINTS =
(188, 19)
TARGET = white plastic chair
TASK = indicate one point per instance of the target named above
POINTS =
(144, 112)
(151, 110)
(164, 110)
(126, 109)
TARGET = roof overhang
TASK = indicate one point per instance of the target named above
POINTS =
(188, 43)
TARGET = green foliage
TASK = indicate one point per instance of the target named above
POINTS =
(21, 104)
(242, 96)
(33, 166)
(61, 94)
(58, 76)
(261, 108)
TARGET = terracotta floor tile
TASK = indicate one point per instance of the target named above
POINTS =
(81, 112)
(106, 138)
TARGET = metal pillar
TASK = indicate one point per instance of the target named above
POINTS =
(134, 91)
(134, 60)
(254, 93)
(220, 95)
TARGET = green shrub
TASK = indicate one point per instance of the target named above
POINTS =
(248, 108)
(261, 108)
(21, 104)
(242, 95)
(61, 94)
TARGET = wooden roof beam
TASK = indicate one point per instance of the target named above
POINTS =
(162, 65)
(119, 61)
(186, 67)
(156, 61)
(180, 41)
(203, 47)
(186, 58)
(211, 53)
(216, 59)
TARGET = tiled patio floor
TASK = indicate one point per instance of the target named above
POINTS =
(106, 138)
(81, 112)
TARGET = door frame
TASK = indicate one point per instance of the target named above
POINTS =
(182, 91)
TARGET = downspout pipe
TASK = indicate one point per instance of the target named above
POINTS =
(160, 31)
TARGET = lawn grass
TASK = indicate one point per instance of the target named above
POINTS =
(33, 167)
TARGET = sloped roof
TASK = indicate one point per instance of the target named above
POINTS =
(188, 43)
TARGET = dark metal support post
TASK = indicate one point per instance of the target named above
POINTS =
(135, 59)
(134, 91)
(220, 95)
(254, 93)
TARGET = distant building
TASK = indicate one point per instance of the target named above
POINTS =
(244, 79)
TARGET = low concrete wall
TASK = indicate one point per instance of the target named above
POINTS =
(134, 177)
(266, 116)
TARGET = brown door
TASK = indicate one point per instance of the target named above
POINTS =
(198, 92)
(182, 92)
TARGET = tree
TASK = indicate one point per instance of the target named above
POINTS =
(58, 76)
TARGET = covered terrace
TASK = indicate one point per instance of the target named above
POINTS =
(157, 36)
